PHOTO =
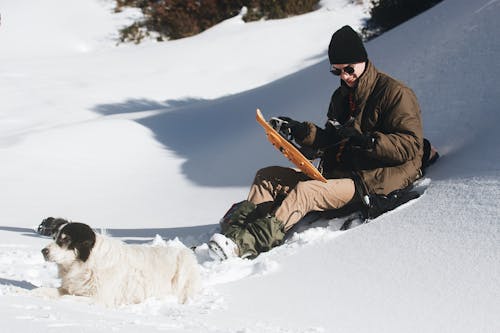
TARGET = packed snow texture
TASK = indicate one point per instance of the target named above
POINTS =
(154, 142)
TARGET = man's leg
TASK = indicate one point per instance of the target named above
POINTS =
(272, 182)
(248, 224)
(269, 231)
(301, 195)
(269, 183)
(314, 195)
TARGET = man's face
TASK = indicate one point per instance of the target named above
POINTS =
(349, 73)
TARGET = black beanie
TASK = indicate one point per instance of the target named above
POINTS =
(346, 47)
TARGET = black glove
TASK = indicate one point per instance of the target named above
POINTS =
(357, 139)
(298, 130)
(350, 149)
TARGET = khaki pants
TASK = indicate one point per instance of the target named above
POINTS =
(303, 195)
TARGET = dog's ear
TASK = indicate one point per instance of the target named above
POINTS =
(84, 249)
(82, 237)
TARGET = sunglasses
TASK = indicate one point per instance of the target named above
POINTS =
(337, 71)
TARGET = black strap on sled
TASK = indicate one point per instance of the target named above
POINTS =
(379, 204)
(374, 205)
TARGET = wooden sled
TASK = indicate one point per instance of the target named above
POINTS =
(289, 150)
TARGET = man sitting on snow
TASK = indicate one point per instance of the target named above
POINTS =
(372, 145)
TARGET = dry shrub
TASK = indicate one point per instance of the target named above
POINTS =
(173, 19)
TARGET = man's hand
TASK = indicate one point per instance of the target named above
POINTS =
(353, 142)
(357, 139)
(298, 130)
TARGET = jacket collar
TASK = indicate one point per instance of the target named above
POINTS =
(364, 87)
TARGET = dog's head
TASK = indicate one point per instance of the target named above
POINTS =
(73, 241)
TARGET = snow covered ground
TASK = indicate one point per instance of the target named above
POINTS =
(160, 139)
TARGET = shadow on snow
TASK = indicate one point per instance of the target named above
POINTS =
(222, 143)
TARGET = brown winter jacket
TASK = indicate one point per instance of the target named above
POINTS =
(387, 110)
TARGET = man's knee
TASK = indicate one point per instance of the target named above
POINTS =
(271, 172)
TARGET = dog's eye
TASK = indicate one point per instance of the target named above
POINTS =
(63, 239)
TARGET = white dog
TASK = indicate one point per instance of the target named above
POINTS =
(114, 273)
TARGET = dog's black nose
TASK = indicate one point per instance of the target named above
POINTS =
(45, 252)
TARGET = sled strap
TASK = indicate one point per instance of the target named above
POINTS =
(374, 205)
(361, 189)
(380, 203)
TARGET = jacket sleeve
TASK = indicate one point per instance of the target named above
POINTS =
(400, 137)
(319, 138)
